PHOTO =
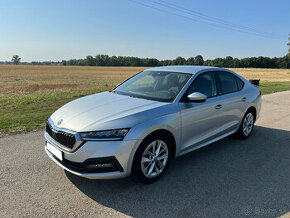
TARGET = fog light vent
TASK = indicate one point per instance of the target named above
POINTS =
(100, 166)
(95, 165)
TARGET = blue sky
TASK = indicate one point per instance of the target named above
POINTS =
(39, 30)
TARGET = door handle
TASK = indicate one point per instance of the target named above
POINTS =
(219, 106)
(244, 99)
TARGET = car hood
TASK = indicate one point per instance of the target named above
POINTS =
(106, 110)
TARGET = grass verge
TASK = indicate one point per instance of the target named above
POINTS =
(29, 112)
(271, 87)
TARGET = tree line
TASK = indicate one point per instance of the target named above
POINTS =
(255, 62)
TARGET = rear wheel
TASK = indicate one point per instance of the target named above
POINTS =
(247, 125)
(152, 158)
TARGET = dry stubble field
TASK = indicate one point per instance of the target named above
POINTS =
(29, 94)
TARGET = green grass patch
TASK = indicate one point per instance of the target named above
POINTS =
(29, 112)
(271, 87)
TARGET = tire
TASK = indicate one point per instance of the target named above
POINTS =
(247, 125)
(146, 160)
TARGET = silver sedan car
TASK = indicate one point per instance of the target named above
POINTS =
(155, 116)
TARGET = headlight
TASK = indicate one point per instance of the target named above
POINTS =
(106, 135)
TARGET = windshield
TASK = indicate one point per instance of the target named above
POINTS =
(154, 85)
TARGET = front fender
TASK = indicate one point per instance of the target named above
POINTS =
(170, 122)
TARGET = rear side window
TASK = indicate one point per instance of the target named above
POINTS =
(228, 82)
(240, 83)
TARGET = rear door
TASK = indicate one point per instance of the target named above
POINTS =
(232, 100)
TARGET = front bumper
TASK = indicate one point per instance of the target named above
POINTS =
(121, 153)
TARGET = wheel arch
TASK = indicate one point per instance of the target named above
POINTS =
(167, 133)
(254, 110)
(156, 132)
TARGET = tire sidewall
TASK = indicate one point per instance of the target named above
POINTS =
(138, 156)
(241, 132)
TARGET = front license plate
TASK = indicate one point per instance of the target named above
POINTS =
(57, 153)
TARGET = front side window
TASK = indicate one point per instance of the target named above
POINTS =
(154, 85)
(205, 84)
(228, 82)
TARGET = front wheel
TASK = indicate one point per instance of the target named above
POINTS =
(247, 125)
(152, 158)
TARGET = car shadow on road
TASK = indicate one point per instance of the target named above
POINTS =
(228, 178)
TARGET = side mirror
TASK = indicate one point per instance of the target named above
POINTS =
(197, 97)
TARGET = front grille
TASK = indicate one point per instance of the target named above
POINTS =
(66, 139)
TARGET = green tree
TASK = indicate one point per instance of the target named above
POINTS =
(16, 59)
(228, 61)
(198, 60)
(190, 61)
(102, 60)
(150, 62)
(179, 61)
(165, 62)
(236, 62)
(105, 60)
(90, 60)
(114, 61)
(82, 62)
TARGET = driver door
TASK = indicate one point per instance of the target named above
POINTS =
(200, 121)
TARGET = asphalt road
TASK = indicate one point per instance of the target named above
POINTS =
(230, 178)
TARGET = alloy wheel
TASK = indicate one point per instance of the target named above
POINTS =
(248, 124)
(154, 158)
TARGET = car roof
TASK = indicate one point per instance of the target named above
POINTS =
(185, 68)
